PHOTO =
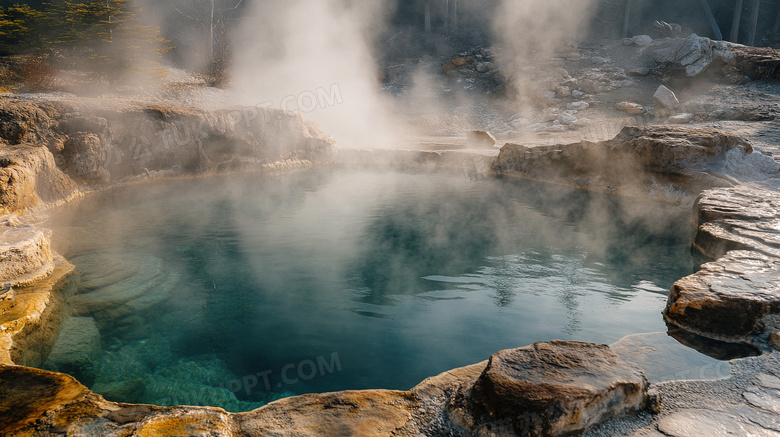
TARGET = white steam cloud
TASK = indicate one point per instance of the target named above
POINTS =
(288, 52)
(317, 57)
(530, 32)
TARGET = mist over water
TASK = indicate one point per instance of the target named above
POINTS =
(402, 275)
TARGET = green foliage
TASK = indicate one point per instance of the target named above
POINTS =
(104, 37)
(18, 30)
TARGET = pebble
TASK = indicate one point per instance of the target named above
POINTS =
(684, 118)
(641, 71)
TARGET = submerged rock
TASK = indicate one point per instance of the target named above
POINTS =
(559, 388)
(131, 284)
(76, 348)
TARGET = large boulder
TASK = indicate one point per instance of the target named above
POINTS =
(694, 54)
(558, 388)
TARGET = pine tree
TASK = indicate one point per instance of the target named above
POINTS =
(105, 37)
(18, 31)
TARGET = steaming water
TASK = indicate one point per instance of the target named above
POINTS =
(329, 280)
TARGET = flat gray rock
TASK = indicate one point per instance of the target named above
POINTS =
(700, 423)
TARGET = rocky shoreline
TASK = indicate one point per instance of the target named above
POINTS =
(91, 145)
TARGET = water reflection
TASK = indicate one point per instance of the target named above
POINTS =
(403, 275)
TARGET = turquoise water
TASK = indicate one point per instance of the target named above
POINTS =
(235, 291)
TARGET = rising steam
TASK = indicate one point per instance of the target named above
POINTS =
(304, 47)
(529, 32)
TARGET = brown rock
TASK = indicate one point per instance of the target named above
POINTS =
(590, 86)
(630, 108)
(736, 297)
(727, 299)
(358, 413)
(559, 388)
(26, 394)
(755, 63)
(13, 131)
(20, 121)
(454, 64)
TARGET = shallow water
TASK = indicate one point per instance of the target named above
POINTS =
(234, 291)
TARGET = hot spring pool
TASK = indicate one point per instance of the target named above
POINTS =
(235, 291)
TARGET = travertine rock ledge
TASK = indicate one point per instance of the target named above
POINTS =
(30, 317)
(25, 255)
(576, 385)
(673, 164)
(736, 297)
(50, 150)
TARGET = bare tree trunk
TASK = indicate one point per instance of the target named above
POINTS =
(447, 16)
(777, 23)
(211, 33)
(711, 18)
(110, 30)
(455, 15)
(627, 19)
(751, 40)
(737, 20)
(428, 16)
